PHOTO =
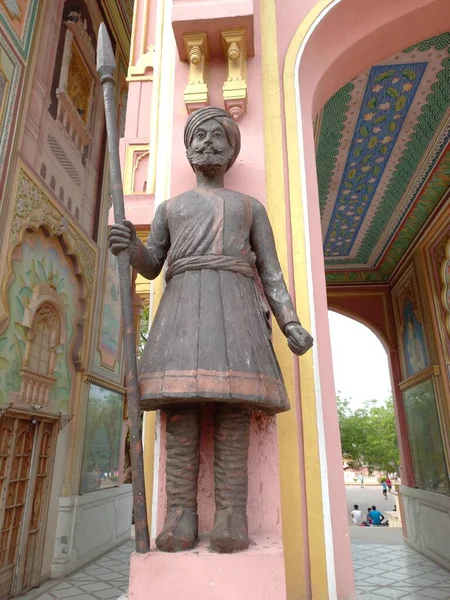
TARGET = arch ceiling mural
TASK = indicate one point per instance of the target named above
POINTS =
(383, 161)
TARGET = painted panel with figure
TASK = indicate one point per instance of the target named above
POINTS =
(409, 323)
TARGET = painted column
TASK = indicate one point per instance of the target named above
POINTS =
(307, 455)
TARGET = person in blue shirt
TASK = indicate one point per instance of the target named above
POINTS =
(376, 516)
(384, 486)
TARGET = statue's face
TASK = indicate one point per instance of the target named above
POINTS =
(210, 150)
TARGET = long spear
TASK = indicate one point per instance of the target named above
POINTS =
(105, 67)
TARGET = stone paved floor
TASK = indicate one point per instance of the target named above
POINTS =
(396, 571)
(104, 579)
(382, 571)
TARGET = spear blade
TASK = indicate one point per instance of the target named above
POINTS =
(106, 63)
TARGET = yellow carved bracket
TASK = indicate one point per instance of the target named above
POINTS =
(235, 87)
(196, 91)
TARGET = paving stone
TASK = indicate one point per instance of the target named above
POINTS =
(66, 593)
(62, 586)
(108, 594)
(389, 593)
(438, 594)
(95, 587)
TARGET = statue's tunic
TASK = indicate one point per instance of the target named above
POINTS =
(210, 339)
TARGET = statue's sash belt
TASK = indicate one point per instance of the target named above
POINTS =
(217, 262)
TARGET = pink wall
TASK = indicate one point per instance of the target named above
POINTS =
(247, 176)
(354, 35)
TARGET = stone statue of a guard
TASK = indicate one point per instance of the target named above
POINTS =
(210, 341)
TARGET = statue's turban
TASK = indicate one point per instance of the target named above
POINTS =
(202, 115)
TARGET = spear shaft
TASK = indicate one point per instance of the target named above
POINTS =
(106, 65)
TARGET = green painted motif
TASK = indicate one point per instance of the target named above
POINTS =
(36, 266)
(419, 145)
(430, 197)
(331, 127)
(21, 42)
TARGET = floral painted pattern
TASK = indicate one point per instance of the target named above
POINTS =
(387, 99)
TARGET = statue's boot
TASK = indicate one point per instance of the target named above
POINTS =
(180, 529)
(231, 439)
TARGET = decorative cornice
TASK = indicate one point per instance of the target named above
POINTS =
(419, 377)
(105, 383)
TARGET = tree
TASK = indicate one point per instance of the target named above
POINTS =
(143, 329)
(369, 436)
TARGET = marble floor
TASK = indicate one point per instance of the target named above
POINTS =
(104, 579)
(396, 571)
(382, 571)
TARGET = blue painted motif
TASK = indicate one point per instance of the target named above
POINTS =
(388, 96)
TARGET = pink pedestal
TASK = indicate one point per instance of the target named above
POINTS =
(199, 574)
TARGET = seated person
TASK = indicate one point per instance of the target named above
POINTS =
(356, 515)
(376, 516)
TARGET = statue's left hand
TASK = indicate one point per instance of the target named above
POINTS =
(299, 340)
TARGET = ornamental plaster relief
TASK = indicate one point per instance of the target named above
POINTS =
(34, 210)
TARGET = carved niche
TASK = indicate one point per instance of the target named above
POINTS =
(77, 83)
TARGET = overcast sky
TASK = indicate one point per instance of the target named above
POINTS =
(360, 362)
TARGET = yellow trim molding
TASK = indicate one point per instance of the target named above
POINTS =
(196, 91)
(428, 373)
(292, 509)
(316, 526)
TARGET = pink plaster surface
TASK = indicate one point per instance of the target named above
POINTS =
(247, 176)
(256, 574)
(138, 110)
(212, 17)
(263, 504)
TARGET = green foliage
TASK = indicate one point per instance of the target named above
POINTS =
(369, 436)
(143, 332)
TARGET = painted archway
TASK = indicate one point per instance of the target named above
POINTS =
(333, 43)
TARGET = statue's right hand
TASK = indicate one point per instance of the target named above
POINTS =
(122, 237)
